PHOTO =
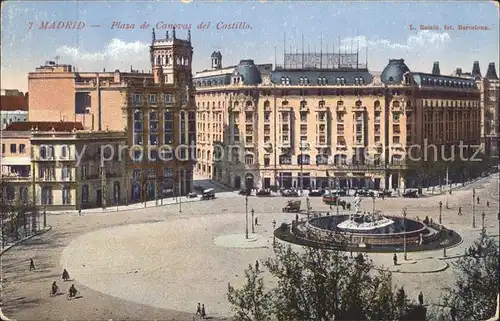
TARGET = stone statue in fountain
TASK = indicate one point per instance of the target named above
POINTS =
(357, 203)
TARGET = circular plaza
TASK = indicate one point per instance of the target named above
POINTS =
(159, 262)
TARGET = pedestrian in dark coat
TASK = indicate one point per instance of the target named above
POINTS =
(203, 313)
(395, 259)
(421, 298)
(32, 265)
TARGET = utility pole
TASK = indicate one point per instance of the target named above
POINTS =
(440, 211)
(253, 225)
(449, 188)
(474, 208)
(483, 227)
(246, 217)
(180, 193)
(404, 234)
(308, 207)
(103, 186)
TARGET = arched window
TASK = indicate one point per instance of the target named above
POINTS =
(338, 80)
(283, 80)
(356, 81)
(249, 103)
(249, 159)
(342, 81)
(340, 103)
(301, 81)
(306, 80)
(266, 104)
(361, 81)
(325, 81)
(358, 103)
(285, 159)
(303, 159)
(396, 104)
(376, 104)
(64, 151)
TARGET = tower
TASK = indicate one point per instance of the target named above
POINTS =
(171, 60)
(435, 68)
(216, 60)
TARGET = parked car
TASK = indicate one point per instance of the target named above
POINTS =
(263, 192)
(246, 192)
(289, 193)
(364, 192)
(192, 195)
(208, 194)
(292, 206)
(385, 193)
(332, 199)
(316, 192)
(411, 193)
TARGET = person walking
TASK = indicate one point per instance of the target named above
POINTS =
(395, 259)
(487, 203)
(257, 265)
(421, 298)
(198, 310)
(256, 222)
(459, 211)
(203, 312)
(478, 199)
(32, 265)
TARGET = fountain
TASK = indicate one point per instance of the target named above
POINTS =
(370, 231)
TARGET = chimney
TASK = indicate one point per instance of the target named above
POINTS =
(435, 68)
(491, 73)
(458, 71)
(476, 71)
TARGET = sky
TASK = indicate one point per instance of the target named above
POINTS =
(382, 27)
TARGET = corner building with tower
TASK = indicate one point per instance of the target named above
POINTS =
(151, 109)
(324, 118)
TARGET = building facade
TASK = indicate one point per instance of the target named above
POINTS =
(325, 117)
(15, 164)
(13, 107)
(155, 109)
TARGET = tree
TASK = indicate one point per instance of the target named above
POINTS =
(318, 284)
(250, 302)
(475, 291)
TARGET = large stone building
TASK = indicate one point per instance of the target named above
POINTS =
(156, 110)
(322, 116)
(58, 165)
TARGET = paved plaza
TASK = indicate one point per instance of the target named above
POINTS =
(157, 263)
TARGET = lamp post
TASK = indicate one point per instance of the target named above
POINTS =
(308, 207)
(246, 216)
(473, 208)
(45, 217)
(253, 225)
(404, 234)
(483, 227)
(373, 198)
(274, 237)
(440, 211)
(180, 192)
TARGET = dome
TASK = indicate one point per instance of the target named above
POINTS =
(249, 71)
(394, 71)
(216, 54)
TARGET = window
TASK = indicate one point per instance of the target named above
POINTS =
(167, 98)
(151, 172)
(267, 160)
(249, 159)
(10, 193)
(152, 98)
(395, 117)
(66, 195)
(85, 194)
(285, 159)
(303, 117)
(23, 194)
(13, 148)
(395, 139)
(303, 159)
(3, 148)
(47, 195)
(65, 173)
(168, 127)
(168, 172)
(22, 148)
(64, 151)
(136, 98)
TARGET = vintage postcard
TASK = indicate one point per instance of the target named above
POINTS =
(249, 160)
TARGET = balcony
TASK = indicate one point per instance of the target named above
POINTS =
(358, 108)
(268, 146)
(12, 177)
(304, 145)
(340, 108)
(377, 121)
(285, 145)
(321, 144)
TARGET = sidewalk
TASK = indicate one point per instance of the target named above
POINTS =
(135, 206)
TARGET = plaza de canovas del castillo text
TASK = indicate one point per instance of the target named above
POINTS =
(316, 119)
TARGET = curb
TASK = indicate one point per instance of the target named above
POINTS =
(420, 272)
(49, 227)
(112, 209)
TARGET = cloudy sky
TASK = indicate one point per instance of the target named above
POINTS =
(382, 27)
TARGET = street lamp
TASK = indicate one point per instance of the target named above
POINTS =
(373, 197)
(483, 227)
(404, 234)
(440, 211)
(274, 237)
(253, 228)
(308, 207)
(246, 216)
(473, 208)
